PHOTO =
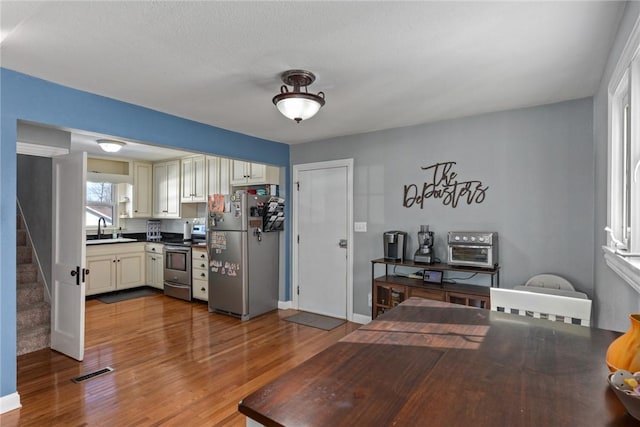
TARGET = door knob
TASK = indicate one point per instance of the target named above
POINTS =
(343, 243)
(76, 273)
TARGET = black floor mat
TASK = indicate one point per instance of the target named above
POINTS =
(127, 294)
(315, 320)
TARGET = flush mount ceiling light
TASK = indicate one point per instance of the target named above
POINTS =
(110, 145)
(298, 105)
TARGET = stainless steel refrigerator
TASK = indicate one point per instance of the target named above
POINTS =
(243, 257)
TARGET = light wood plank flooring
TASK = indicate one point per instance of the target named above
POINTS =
(175, 364)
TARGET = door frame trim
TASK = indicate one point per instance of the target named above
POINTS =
(348, 163)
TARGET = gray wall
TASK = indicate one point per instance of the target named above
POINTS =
(538, 166)
(34, 194)
(614, 299)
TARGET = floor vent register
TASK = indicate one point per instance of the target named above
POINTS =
(93, 374)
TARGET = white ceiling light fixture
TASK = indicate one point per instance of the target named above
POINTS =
(298, 105)
(110, 145)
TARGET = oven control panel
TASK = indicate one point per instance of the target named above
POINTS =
(472, 237)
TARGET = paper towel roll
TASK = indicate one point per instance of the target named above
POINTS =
(187, 231)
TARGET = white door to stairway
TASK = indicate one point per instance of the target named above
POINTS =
(68, 258)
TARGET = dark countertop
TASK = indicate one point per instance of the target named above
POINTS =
(167, 238)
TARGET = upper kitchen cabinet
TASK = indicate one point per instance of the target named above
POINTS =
(246, 173)
(218, 175)
(136, 198)
(141, 191)
(166, 189)
(193, 179)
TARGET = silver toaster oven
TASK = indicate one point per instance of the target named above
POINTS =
(473, 248)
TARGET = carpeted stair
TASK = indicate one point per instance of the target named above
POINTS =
(33, 315)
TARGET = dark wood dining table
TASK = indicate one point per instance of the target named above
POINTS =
(431, 363)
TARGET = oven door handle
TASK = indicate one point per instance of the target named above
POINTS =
(177, 249)
(469, 246)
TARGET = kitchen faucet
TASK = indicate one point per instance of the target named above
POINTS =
(104, 221)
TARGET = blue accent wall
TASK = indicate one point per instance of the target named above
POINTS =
(23, 97)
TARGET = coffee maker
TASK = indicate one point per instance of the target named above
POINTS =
(424, 254)
(395, 245)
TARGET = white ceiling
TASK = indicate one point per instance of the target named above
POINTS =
(381, 64)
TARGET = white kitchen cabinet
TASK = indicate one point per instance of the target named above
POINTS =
(247, 173)
(193, 179)
(142, 192)
(199, 271)
(155, 265)
(166, 189)
(115, 266)
(102, 273)
(218, 175)
(130, 269)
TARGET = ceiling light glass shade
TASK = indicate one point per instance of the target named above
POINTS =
(297, 104)
(110, 146)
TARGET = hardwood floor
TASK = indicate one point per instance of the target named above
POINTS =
(175, 364)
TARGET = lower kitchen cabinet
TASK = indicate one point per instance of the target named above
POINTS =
(102, 274)
(115, 266)
(200, 276)
(155, 265)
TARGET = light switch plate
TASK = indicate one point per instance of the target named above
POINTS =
(360, 227)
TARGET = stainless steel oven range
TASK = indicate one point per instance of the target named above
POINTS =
(177, 271)
(473, 248)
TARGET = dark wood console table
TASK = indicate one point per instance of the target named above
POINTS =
(389, 290)
(439, 364)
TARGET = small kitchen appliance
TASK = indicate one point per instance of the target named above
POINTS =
(473, 248)
(395, 245)
(424, 254)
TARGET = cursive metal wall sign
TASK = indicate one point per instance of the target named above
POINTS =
(443, 184)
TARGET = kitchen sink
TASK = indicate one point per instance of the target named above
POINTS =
(105, 241)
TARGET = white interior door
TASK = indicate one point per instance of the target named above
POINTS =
(68, 290)
(323, 236)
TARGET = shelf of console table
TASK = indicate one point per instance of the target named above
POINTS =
(390, 290)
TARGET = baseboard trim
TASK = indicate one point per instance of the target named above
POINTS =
(361, 319)
(10, 402)
(285, 305)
